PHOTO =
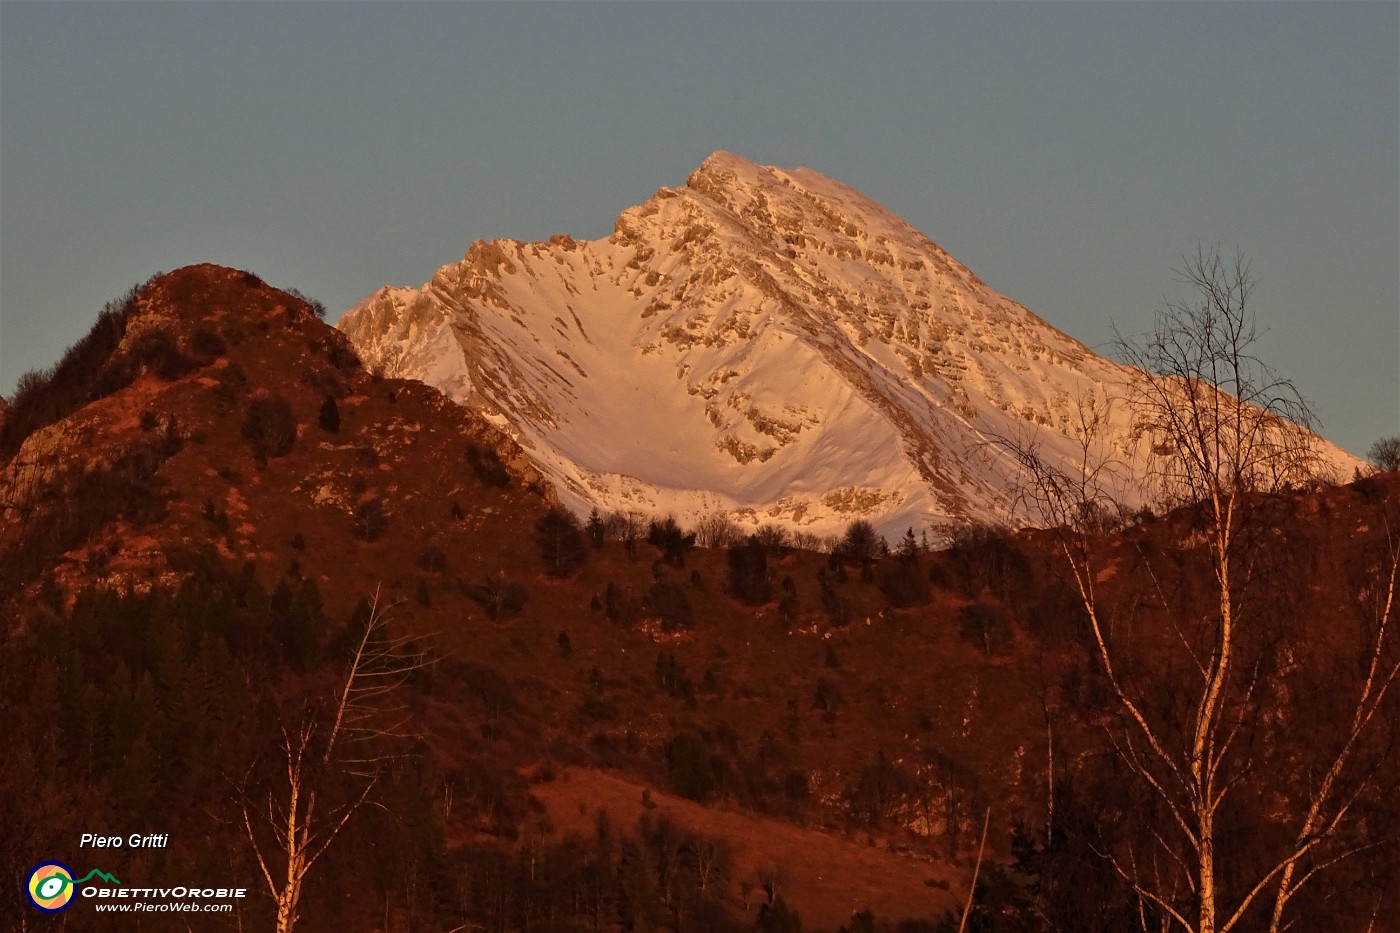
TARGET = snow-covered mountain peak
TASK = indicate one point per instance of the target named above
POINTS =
(764, 342)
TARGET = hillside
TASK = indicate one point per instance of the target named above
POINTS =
(183, 567)
(764, 343)
(198, 347)
(142, 477)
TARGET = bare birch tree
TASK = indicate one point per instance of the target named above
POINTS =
(344, 751)
(1222, 431)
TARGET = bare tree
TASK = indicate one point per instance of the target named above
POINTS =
(976, 870)
(1219, 423)
(1385, 453)
(1332, 799)
(1221, 430)
(344, 750)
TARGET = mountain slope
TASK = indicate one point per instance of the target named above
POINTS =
(150, 452)
(763, 342)
(159, 573)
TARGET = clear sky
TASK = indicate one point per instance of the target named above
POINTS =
(1069, 153)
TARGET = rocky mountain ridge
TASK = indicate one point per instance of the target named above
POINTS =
(766, 343)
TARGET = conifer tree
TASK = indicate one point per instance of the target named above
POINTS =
(561, 542)
(329, 418)
(597, 528)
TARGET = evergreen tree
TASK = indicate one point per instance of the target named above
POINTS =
(748, 573)
(689, 760)
(832, 603)
(639, 904)
(597, 528)
(370, 520)
(670, 603)
(901, 580)
(330, 415)
(778, 917)
(909, 546)
(619, 609)
(671, 539)
(861, 543)
(561, 542)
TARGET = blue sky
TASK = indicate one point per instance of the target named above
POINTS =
(1069, 153)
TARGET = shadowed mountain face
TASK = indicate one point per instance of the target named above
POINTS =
(762, 342)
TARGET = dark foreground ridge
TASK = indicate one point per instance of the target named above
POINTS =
(211, 509)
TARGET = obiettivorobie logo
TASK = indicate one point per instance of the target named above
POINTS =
(51, 885)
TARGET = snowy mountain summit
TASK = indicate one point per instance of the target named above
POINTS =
(760, 342)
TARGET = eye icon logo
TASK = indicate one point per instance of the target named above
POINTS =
(50, 887)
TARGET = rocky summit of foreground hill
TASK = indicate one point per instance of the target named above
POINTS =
(761, 342)
(209, 410)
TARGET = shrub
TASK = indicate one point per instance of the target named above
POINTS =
(778, 917)
(370, 520)
(232, 381)
(827, 696)
(774, 538)
(501, 598)
(487, 466)
(598, 708)
(343, 356)
(157, 351)
(314, 306)
(216, 516)
(717, 530)
(270, 427)
(207, 344)
(985, 626)
(432, 559)
(85, 372)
